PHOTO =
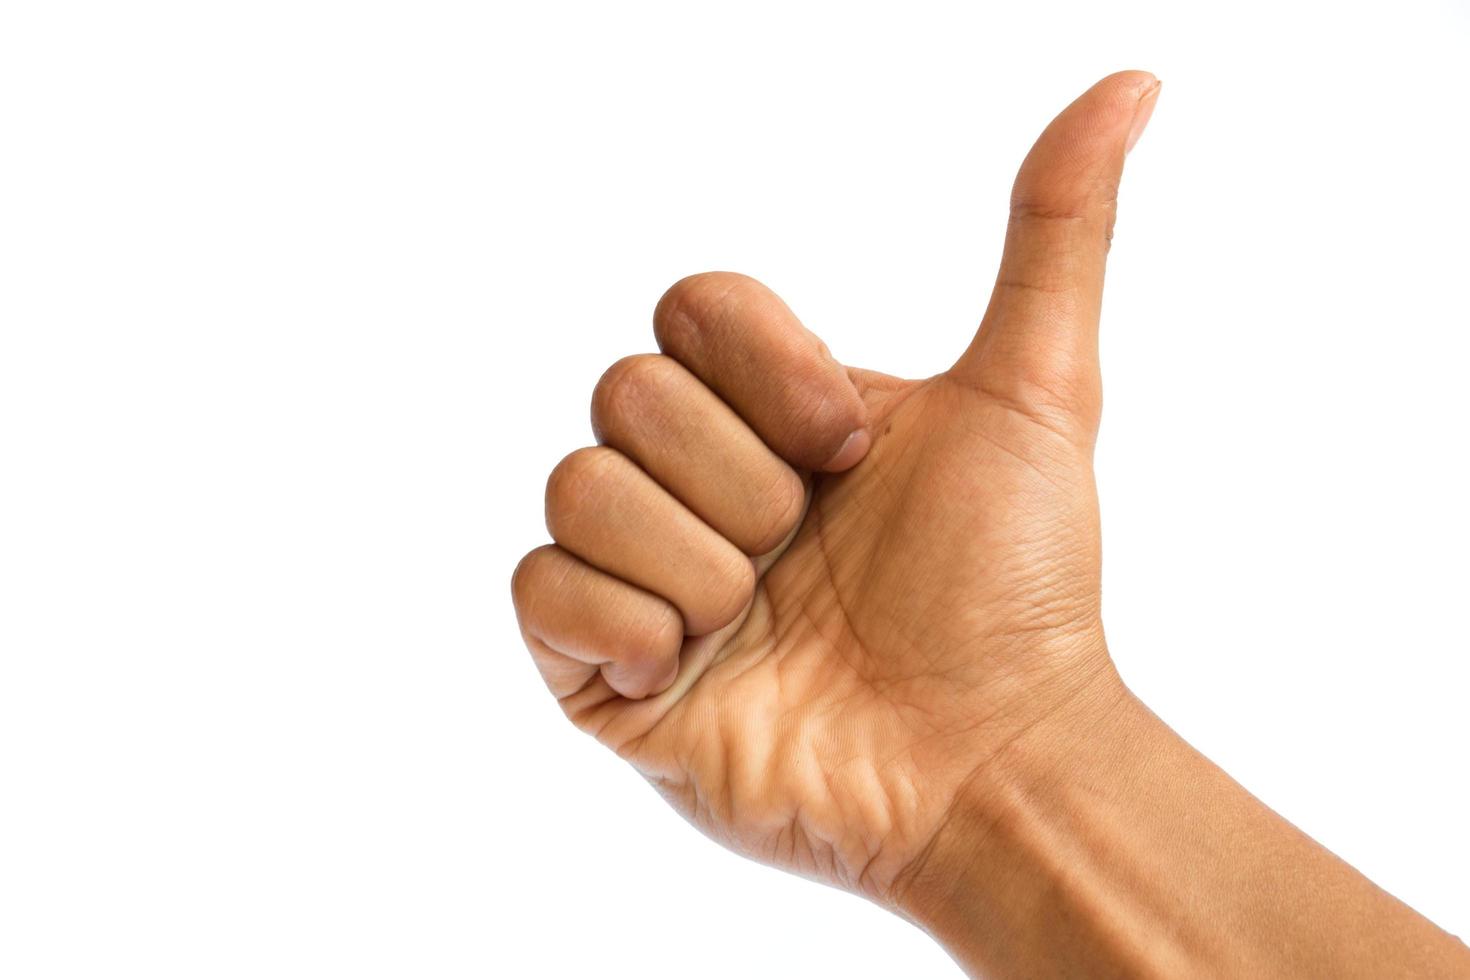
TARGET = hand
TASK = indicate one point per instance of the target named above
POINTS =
(926, 579)
(906, 691)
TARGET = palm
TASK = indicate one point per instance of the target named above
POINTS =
(914, 605)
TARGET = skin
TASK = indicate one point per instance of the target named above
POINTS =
(849, 625)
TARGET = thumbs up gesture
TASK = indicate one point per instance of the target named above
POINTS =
(811, 602)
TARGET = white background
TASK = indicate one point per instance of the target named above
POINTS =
(300, 301)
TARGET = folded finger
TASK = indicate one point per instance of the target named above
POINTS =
(578, 621)
(651, 408)
(605, 510)
(738, 338)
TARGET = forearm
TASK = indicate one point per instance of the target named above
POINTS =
(1103, 844)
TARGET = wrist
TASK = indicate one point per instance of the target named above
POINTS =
(1003, 868)
(1099, 842)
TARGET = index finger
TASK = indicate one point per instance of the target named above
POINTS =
(738, 338)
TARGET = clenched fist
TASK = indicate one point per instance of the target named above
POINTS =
(810, 601)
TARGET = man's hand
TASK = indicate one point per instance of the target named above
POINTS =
(810, 602)
(849, 625)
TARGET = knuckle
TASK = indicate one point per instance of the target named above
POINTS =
(1028, 208)
(669, 633)
(528, 571)
(536, 581)
(738, 586)
(649, 645)
(1085, 195)
(777, 510)
(1086, 212)
(697, 304)
(630, 387)
(575, 483)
